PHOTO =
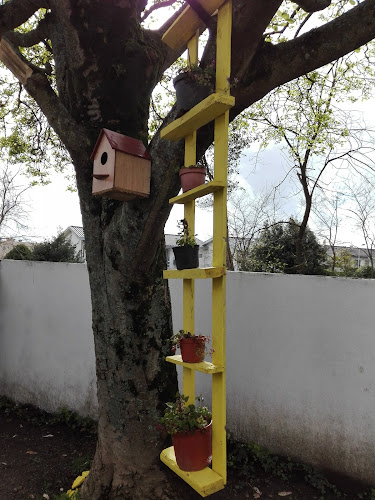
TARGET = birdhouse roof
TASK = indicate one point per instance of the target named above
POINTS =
(122, 143)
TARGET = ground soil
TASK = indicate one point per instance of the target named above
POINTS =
(41, 455)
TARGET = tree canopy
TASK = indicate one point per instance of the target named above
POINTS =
(275, 251)
(19, 252)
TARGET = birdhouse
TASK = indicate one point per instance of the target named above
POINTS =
(122, 167)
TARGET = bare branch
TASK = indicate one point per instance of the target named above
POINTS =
(156, 6)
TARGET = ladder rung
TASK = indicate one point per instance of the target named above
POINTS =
(204, 112)
(204, 366)
(196, 273)
(198, 192)
(205, 481)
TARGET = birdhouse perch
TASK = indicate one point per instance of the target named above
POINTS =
(122, 167)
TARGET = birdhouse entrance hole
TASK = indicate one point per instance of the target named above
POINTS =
(104, 158)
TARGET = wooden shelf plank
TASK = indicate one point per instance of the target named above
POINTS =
(187, 23)
(205, 482)
(197, 273)
(204, 366)
(198, 192)
(204, 112)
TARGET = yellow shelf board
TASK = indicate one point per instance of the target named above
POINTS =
(204, 366)
(198, 192)
(205, 482)
(187, 23)
(196, 273)
(204, 112)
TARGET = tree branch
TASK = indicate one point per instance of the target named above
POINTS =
(313, 5)
(16, 12)
(274, 65)
(40, 33)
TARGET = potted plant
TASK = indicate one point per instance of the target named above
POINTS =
(193, 347)
(187, 251)
(192, 176)
(192, 85)
(191, 429)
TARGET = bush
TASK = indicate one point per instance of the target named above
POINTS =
(19, 252)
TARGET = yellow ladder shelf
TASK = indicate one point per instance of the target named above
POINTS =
(215, 107)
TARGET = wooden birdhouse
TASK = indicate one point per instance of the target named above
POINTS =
(122, 167)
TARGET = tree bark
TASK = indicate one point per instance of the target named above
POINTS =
(106, 66)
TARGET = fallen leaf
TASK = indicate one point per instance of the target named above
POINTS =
(284, 493)
(32, 452)
(256, 495)
(48, 436)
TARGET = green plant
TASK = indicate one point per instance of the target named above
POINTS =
(80, 464)
(182, 334)
(181, 417)
(184, 235)
(199, 75)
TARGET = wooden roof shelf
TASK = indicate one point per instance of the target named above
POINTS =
(204, 112)
(197, 273)
(204, 366)
(205, 481)
(187, 23)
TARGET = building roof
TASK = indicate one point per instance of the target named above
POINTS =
(77, 230)
(170, 240)
(122, 143)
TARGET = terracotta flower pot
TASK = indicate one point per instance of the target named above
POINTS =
(193, 450)
(187, 257)
(193, 349)
(192, 177)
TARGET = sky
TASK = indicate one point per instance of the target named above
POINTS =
(52, 208)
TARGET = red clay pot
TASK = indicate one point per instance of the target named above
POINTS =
(193, 349)
(192, 177)
(193, 450)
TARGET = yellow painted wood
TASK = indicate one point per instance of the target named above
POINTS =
(207, 110)
(215, 107)
(187, 24)
(219, 451)
(204, 366)
(192, 46)
(205, 482)
(197, 273)
(223, 48)
(198, 192)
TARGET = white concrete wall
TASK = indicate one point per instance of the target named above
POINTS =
(300, 356)
(300, 365)
(46, 345)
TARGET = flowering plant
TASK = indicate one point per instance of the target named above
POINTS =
(182, 334)
(185, 239)
(181, 417)
(201, 76)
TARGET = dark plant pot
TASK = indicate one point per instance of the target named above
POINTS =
(192, 177)
(187, 257)
(193, 349)
(193, 450)
(188, 92)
